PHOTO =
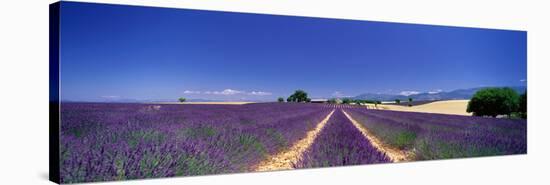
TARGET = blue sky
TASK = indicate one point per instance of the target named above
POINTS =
(111, 52)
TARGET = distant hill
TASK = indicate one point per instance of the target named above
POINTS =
(451, 95)
(379, 97)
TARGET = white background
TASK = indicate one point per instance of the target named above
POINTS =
(24, 91)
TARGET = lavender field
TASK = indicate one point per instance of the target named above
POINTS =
(116, 141)
(339, 145)
(439, 136)
(101, 142)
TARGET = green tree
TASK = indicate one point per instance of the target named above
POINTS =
(280, 99)
(298, 96)
(181, 99)
(398, 101)
(494, 102)
(522, 109)
(346, 101)
(410, 100)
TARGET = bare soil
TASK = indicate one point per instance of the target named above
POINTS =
(284, 159)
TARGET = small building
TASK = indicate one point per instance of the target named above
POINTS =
(319, 100)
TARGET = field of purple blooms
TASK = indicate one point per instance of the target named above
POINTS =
(116, 141)
(340, 144)
(440, 136)
(103, 142)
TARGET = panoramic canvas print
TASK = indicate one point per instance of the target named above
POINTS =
(147, 92)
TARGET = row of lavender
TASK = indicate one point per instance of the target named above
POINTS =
(340, 144)
(439, 136)
(101, 142)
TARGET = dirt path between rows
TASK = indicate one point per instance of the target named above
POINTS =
(393, 153)
(284, 160)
